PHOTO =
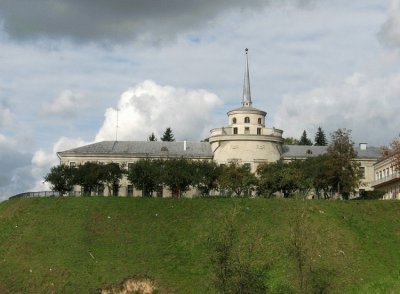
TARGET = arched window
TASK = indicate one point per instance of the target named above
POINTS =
(247, 120)
(235, 131)
(259, 121)
(234, 120)
(164, 148)
(309, 152)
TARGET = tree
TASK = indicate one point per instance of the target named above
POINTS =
(286, 178)
(342, 169)
(290, 141)
(317, 169)
(60, 178)
(237, 179)
(111, 174)
(393, 152)
(205, 177)
(145, 175)
(178, 175)
(152, 137)
(304, 140)
(168, 135)
(88, 176)
(320, 138)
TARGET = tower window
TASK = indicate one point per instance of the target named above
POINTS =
(258, 131)
(247, 120)
(247, 130)
(234, 120)
(235, 131)
(259, 121)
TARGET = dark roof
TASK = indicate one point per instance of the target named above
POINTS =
(247, 109)
(143, 148)
(297, 151)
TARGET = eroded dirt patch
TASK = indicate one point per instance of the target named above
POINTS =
(137, 284)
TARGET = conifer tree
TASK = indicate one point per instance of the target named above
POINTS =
(320, 138)
(168, 135)
(152, 137)
(304, 140)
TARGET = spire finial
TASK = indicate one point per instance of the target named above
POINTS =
(246, 85)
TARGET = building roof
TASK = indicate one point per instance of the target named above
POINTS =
(247, 109)
(298, 151)
(143, 148)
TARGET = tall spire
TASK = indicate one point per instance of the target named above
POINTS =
(246, 86)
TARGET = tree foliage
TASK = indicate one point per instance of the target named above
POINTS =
(111, 174)
(286, 178)
(168, 136)
(316, 169)
(145, 175)
(152, 137)
(393, 152)
(61, 178)
(342, 169)
(320, 138)
(88, 176)
(205, 176)
(290, 141)
(177, 175)
(237, 179)
(304, 140)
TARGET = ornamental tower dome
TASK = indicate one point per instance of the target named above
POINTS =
(246, 140)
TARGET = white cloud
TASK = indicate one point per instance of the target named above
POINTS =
(6, 117)
(368, 105)
(67, 104)
(42, 161)
(14, 168)
(390, 31)
(6, 143)
(149, 107)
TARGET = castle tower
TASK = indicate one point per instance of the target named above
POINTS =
(246, 139)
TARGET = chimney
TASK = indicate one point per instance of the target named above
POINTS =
(363, 146)
(184, 145)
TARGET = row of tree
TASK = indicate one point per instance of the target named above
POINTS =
(319, 139)
(168, 136)
(335, 172)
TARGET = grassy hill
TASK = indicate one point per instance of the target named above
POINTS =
(79, 245)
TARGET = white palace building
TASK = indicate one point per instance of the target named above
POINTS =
(246, 139)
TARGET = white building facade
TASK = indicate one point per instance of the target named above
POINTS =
(387, 178)
(245, 140)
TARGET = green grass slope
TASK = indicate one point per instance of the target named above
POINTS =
(79, 245)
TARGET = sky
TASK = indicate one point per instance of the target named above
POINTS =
(70, 69)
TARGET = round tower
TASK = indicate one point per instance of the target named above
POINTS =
(246, 139)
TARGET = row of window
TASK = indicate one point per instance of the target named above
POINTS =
(246, 131)
(384, 173)
(247, 120)
(130, 164)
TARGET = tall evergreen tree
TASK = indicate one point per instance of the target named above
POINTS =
(168, 135)
(320, 138)
(152, 137)
(304, 140)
